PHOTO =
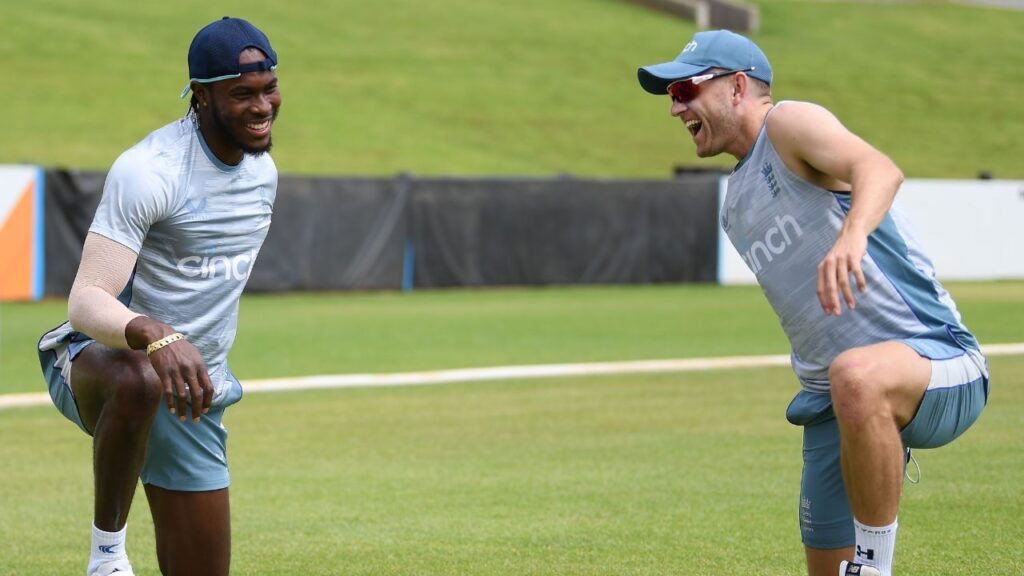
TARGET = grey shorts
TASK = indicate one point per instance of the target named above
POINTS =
(956, 395)
(187, 456)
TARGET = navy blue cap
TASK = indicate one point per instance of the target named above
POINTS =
(711, 49)
(213, 55)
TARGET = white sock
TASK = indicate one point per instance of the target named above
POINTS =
(106, 546)
(875, 546)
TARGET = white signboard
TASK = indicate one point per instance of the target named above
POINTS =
(971, 229)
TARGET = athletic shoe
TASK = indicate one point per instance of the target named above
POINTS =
(114, 568)
(854, 569)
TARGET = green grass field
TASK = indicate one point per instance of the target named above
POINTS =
(670, 474)
(648, 474)
(530, 87)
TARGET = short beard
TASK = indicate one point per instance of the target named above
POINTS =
(220, 124)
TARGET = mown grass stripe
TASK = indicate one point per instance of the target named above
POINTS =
(503, 373)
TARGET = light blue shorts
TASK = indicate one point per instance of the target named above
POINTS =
(956, 395)
(187, 456)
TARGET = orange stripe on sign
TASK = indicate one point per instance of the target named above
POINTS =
(16, 249)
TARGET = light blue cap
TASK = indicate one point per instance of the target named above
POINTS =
(711, 49)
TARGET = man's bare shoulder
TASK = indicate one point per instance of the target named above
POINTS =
(797, 115)
(801, 132)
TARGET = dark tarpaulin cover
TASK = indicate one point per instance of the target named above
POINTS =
(334, 234)
(564, 231)
(70, 200)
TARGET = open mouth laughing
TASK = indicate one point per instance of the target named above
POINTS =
(694, 126)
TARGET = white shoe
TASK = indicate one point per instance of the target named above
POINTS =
(854, 569)
(114, 568)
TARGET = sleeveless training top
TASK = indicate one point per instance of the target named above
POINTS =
(783, 226)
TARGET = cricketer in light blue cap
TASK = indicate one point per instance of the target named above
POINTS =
(883, 358)
(711, 49)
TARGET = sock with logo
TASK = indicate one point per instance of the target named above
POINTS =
(875, 546)
(106, 546)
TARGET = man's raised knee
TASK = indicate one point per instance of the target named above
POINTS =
(854, 392)
(135, 385)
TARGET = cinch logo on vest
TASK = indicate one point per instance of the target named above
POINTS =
(775, 242)
(232, 268)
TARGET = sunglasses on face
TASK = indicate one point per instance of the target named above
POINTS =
(686, 90)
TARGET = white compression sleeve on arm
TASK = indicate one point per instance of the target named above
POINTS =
(93, 307)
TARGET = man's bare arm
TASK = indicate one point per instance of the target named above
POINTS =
(817, 147)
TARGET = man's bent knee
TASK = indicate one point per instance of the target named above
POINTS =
(135, 386)
(884, 380)
(855, 393)
(120, 380)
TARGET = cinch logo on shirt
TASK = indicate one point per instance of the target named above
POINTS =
(232, 268)
(775, 242)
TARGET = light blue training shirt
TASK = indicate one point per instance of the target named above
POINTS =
(197, 225)
(783, 226)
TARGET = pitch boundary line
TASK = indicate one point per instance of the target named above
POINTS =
(502, 373)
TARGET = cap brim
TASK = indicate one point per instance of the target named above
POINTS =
(209, 81)
(656, 77)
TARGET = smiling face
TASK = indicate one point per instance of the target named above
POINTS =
(236, 115)
(726, 114)
(709, 116)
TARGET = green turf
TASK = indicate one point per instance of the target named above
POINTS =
(491, 87)
(302, 334)
(647, 474)
(641, 475)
